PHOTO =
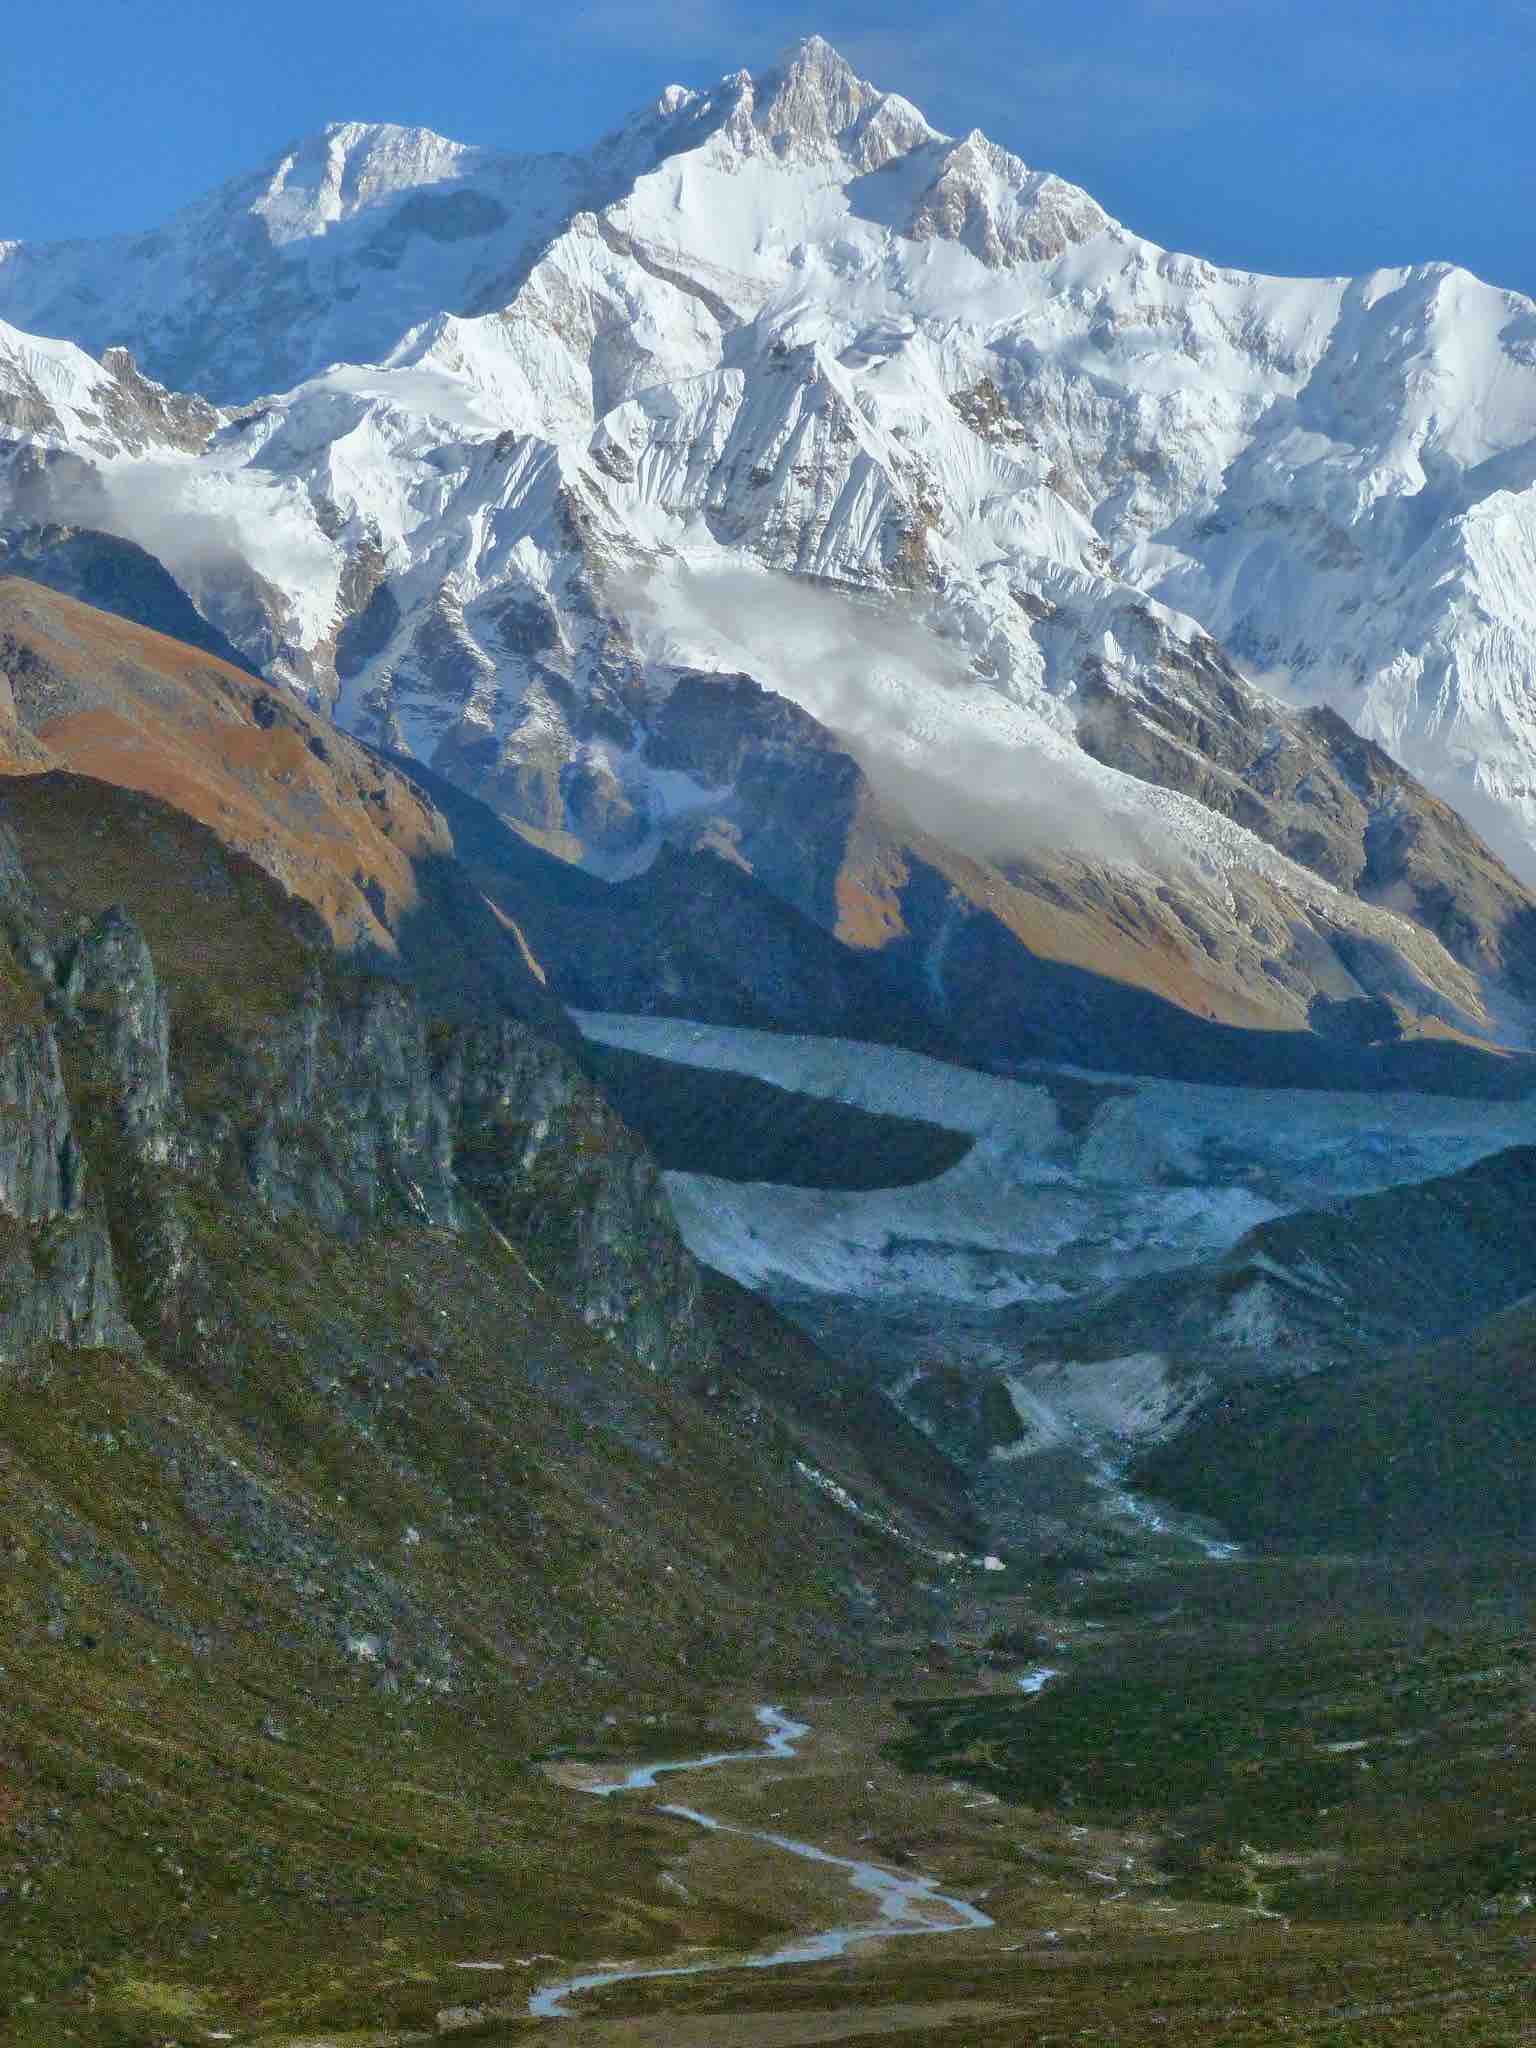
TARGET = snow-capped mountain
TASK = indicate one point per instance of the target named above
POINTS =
(779, 382)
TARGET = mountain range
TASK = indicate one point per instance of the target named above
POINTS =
(1071, 557)
(787, 570)
(753, 887)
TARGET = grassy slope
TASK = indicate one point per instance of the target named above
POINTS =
(1436, 1449)
(1331, 1747)
(99, 697)
(1203, 1891)
(117, 702)
(288, 1602)
(205, 1786)
(839, 1410)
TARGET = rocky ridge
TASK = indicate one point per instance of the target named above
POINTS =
(201, 1088)
(331, 1098)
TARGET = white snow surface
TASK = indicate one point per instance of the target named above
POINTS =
(783, 329)
(1114, 1398)
(1038, 1679)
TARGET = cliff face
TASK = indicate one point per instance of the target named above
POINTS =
(57, 1282)
(552, 1166)
(56, 1277)
(341, 1104)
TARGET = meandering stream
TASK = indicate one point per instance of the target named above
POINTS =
(908, 1904)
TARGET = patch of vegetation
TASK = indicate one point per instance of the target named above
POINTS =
(1374, 1769)
(1436, 1448)
(283, 1629)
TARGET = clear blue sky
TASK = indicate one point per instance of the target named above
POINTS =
(1285, 135)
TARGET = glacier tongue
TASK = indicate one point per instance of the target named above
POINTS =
(1163, 1175)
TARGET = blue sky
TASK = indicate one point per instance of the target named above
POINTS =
(1285, 135)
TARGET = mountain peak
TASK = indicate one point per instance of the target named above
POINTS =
(813, 57)
(812, 103)
(326, 176)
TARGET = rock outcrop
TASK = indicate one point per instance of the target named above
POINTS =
(341, 1104)
(57, 1284)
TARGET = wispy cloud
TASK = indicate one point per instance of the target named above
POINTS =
(877, 677)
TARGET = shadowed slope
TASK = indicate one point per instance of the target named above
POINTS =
(1434, 1450)
(103, 698)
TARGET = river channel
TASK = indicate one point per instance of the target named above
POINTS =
(907, 1904)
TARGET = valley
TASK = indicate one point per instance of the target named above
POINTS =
(767, 1110)
(1111, 1257)
(1249, 1802)
(394, 1452)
